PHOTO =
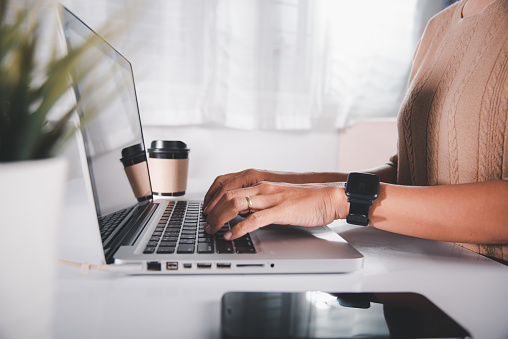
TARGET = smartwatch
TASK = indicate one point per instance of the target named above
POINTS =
(361, 190)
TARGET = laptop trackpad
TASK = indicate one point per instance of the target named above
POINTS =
(305, 242)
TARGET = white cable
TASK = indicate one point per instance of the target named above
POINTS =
(126, 268)
(86, 267)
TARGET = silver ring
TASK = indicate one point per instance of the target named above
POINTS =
(249, 202)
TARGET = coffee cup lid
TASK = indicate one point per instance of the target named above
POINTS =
(168, 146)
(132, 151)
(133, 154)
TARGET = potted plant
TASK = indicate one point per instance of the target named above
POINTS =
(32, 175)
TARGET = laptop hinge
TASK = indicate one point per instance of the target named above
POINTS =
(131, 231)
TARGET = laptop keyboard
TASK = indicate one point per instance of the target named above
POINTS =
(181, 230)
(109, 223)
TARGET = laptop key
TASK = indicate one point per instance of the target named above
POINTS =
(245, 249)
(165, 250)
(205, 248)
(175, 239)
(171, 234)
(224, 247)
(149, 250)
(185, 248)
(167, 244)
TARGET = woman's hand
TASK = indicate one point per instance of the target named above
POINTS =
(233, 181)
(251, 177)
(277, 203)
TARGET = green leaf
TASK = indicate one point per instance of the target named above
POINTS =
(25, 105)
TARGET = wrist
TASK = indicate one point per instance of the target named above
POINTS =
(375, 210)
(361, 191)
(340, 202)
(275, 176)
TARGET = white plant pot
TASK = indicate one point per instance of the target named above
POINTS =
(30, 198)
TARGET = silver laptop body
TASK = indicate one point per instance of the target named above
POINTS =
(277, 248)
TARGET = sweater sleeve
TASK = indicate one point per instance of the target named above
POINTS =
(394, 160)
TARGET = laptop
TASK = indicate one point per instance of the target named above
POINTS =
(166, 236)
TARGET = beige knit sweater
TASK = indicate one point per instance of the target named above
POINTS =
(453, 121)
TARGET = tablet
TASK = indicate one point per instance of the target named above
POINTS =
(315, 314)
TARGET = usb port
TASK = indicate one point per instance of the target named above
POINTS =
(204, 265)
(223, 265)
(171, 266)
(187, 265)
(153, 266)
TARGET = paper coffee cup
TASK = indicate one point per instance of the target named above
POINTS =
(168, 162)
(135, 166)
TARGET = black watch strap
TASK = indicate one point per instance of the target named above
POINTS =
(358, 212)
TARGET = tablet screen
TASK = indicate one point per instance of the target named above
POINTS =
(334, 315)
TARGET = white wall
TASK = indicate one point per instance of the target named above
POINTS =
(217, 150)
(367, 144)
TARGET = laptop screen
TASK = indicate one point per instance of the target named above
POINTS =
(108, 91)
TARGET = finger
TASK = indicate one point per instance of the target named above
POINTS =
(216, 185)
(213, 198)
(261, 197)
(229, 206)
(253, 222)
(228, 198)
(216, 221)
(268, 209)
(264, 195)
(240, 180)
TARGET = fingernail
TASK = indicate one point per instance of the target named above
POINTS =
(228, 235)
(207, 228)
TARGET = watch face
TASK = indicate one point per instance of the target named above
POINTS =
(362, 184)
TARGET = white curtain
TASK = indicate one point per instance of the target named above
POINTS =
(266, 64)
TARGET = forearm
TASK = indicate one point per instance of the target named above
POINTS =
(253, 177)
(386, 173)
(472, 213)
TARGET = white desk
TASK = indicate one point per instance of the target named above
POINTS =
(469, 287)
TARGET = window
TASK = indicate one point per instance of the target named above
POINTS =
(267, 64)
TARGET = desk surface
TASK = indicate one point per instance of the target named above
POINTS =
(469, 287)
